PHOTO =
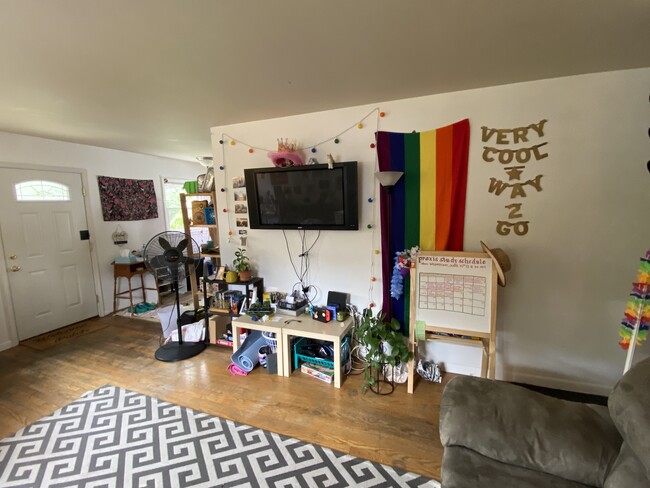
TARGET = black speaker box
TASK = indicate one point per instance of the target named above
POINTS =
(272, 363)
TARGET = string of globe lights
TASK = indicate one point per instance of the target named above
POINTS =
(227, 140)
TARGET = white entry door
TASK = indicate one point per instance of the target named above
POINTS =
(46, 256)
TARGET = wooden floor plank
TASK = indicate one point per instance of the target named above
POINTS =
(399, 429)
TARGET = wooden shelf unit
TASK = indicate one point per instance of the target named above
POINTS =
(220, 319)
(213, 229)
(248, 286)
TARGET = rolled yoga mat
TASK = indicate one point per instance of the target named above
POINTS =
(247, 357)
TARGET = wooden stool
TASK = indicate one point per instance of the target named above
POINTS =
(128, 271)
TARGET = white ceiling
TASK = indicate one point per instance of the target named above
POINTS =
(152, 76)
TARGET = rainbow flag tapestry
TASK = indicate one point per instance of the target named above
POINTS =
(426, 207)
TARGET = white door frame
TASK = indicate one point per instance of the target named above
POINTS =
(5, 296)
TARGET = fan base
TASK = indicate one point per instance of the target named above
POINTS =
(174, 351)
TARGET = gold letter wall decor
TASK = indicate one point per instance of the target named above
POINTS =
(520, 156)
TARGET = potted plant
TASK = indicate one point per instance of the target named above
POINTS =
(384, 345)
(242, 264)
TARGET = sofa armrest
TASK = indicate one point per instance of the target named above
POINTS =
(517, 426)
(629, 407)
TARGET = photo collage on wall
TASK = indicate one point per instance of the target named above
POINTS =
(241, 208)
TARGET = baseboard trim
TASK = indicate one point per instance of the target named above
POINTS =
(560, 384)
(7, 345)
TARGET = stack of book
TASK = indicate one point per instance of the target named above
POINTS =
(319, 372)
(229, 301)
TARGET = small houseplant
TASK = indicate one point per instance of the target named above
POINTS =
(384, 345)
(242, 264)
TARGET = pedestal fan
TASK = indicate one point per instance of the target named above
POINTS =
(165, 255)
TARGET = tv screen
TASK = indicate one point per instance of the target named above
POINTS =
(303, 197)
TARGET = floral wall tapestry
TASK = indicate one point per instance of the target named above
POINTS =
(127, 199)
(427, 205)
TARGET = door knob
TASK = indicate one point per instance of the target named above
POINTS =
(15, 268)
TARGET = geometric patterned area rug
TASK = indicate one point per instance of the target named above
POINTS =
(113, 437)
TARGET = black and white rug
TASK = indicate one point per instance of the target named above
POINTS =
(113, 437)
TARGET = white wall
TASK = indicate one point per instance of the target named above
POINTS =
(559, 316)
(33, 152)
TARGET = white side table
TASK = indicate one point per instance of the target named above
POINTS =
(305, 326)
(245, 322)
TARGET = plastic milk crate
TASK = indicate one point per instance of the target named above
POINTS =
(345, 354)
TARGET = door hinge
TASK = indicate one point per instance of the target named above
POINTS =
(97, 299)
(83, 191)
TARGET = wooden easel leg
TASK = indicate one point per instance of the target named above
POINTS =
(492, 357)
(484, 359)
(410, 385)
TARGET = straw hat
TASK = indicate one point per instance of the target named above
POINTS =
(500, 260)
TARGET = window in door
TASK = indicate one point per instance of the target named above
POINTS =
(40, 191)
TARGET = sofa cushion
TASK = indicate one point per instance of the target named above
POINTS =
(627, 471)
(517, 426)
(463, 468)
(629, 407)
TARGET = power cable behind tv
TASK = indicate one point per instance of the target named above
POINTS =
(304, 262)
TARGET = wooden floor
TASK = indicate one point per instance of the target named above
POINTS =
(399, 429)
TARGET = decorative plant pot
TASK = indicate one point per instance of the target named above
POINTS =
(231, 276)
(381, 385)
(245, 275)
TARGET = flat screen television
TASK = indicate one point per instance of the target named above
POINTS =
(303, 197)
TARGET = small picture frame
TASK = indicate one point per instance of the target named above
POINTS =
(238, 182)
(241, 222)
(221, 272)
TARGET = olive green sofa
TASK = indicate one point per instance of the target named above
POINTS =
(499, 435)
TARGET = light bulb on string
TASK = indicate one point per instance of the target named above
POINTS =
(360, 124)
